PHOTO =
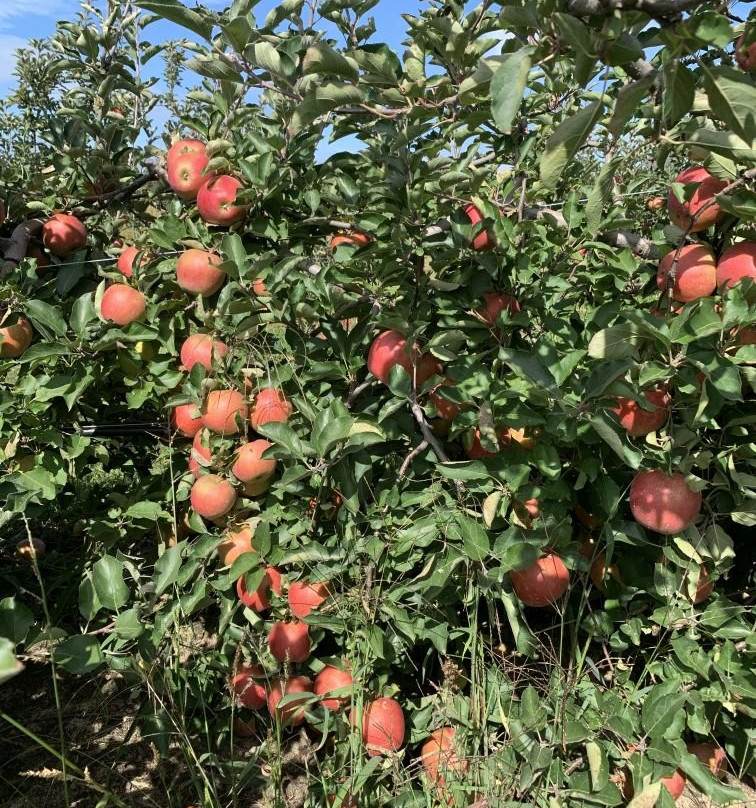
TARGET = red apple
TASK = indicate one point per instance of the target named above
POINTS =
(212, 496)
(224, 411)
(63, 234)
(704, 588)
(706, 186)
(186, 419)
(383, 726)
(495, 304)
(476, 450)
(29, 549)
(289, 641)
(663, 503)
(259, 600)
(737, 263)
(439, 757)
(216, 201)
(122, 304)
(198, 272)
(655, 202)
(390, 348)
(541, 583)
(249, 692)
(249, 467)
(270, 405)
(126, 260)
(354, 239)
(675, 785)
(201, 349)
(304, 597)
(636, 420)
(710, 755)
(332, 679)
(695, 275)
(745, 55)
(484, 240)
(185, 146)
(186, 174)
(293, 712)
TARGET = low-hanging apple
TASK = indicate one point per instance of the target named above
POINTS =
(15, 338)
(334, 685)
(289, 641)
(198, 272)
(122, 304)
(293, 712)
(543, 582)
(246, 687)
(664, 503)
(259, 600)
(383, 726)
(236, 541)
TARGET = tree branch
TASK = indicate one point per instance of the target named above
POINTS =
(18, 244)
(407, 462)
(662, 9)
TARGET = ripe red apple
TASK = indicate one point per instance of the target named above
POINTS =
(710, 755)
(258, 287)
(390, 348)
(745, 55)
(184, 146)
(494, 304)
(599, 570)
(383, 726)
(212, 496)
(304, 597)
(259, 600)
(293, 712)
(439, 757)
(706, 186)
(187, 419)
(355, 239)
(332, 679)
(216, 198)
(126, 260)
(695, 275)
(202, 349)
(15, 338)
(484, 240)
(476, 450)
(675, 784)
(198, 272)
(270, 404)
(249, 467)
(737, 263)
(63, 234)
(236, 541)
(186, 173)
(30, 549)
(663, 503)
(122, 304)
(636, 420)
(541, 583)
(250, 693)
(224, 411)
(289, 641)
(655, 202)
(704, 588)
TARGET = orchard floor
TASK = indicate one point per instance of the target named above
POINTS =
(103, 740)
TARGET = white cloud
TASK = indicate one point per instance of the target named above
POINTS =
(8, 45)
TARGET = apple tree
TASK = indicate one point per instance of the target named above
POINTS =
(419, 383)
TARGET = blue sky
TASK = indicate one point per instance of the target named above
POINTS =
(21, 20)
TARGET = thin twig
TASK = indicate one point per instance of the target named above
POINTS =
(407, 462)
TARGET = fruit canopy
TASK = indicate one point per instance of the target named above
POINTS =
(488, 194)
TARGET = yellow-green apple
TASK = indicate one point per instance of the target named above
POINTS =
(15, 338)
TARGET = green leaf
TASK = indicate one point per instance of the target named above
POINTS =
(107, 577)
(627, 103)
(319, 58)
(15, 620)
(46, 317)
(474, 537)
(321, 100)
(128, 625)
(177, 12)
(527, 365)
(732, 98)
(214, 68)
(167, 568)
(609, 432)
(727, 144)
(81, 654)
(264, 55)
(599, 196)
(564, 143)
(598, 765)
(507, 86)
(678, 91)
(663, 708)
(9, 665)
